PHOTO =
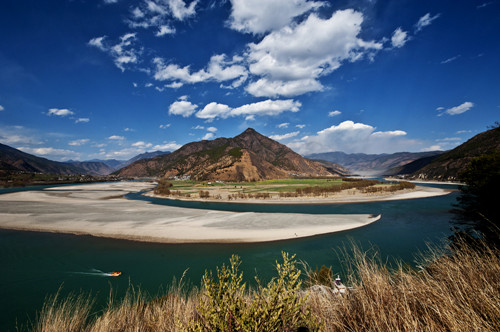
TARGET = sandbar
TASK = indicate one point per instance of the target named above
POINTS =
(100, 210)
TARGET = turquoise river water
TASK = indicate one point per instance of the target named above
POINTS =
(35, 265)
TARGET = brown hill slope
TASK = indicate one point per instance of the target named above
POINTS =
(448, 166)
(249, 156)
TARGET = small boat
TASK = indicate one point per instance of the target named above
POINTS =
(115, 274)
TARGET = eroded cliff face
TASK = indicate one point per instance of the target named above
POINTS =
(249, 156)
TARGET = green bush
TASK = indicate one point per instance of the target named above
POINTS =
(279, 306)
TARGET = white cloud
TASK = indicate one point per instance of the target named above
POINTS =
(353, 137)
(259, 16)
(290, 61)
(1, 108)
(458, 109)
(159, 14)
(283, 125)
(142, 145)
(110, 1)
(198, 127)
(301, 126)
(116, 138)
(334, 113)
(60, 112)
(450, 59)
(265, 87)
(250, 118)
(284, 136)
(18, 135)
(128, 129)
(214, 110)
(79, 142)
(165, 126)
(174, 85)
(167, 146)
(123, 53)
(425, 21)
(399, 38)
(435, 147)
(182, 107)
(266, 107)
(165, 30)
(219, 69)
(212, 129)
(208, 136)
(51, 153)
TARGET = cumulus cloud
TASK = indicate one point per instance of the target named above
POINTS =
(219, 69)
(266, 107)
(1, 108)
(164, 126)
(82, 120)
(334, 113)
(182, 107)
(124, 53)
(79, 142)
(284, 136)
(212, 129)
(352, 137)
(283, 125)
(60, 112)
(457, 109)
(399, 38)
(425, 21)
(301, 126)
(116, 138)
(259, 16)
(291, 60)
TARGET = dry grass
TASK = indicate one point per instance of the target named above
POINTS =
(459, 292)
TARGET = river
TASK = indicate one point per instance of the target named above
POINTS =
(36, 265)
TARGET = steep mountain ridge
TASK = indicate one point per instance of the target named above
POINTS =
(449, 165)
(249, 156)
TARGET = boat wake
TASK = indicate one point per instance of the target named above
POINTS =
(97, 273)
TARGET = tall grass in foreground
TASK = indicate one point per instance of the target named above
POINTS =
(458, 292)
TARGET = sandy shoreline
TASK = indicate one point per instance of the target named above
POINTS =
(96, 209)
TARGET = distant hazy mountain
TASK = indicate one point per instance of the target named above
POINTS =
(249, 156)
(92, 167)
(448, 166)
(117, 164)
(113, 163)
(371, 164)
(15, 160)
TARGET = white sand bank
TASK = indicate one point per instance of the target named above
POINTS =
(96, 209)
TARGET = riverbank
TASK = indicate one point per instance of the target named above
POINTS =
(101, 210)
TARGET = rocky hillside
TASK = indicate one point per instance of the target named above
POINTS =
(249, 156)
(448, 166)
(371, 164)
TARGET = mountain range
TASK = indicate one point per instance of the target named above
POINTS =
(372, 164)
(249, 156)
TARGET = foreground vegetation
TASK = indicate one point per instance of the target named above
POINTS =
(456, 291)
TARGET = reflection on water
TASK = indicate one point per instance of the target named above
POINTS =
(37, 264)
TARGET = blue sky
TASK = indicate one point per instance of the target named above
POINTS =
(109, 79)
